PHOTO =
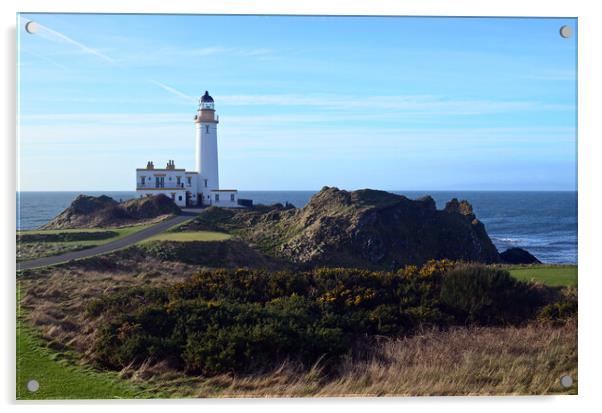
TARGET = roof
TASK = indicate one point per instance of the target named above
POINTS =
(206, 97)
(160, 169)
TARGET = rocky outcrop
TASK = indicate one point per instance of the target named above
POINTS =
(518, 256)
(101, 212)
(365, 228)
(380, 229)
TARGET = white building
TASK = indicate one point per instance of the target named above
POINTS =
(191, 188)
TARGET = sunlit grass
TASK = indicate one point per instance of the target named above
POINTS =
(554, 276)
(33, 250)
(191, 236)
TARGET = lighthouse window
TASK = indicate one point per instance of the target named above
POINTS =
(207, 128)
(205, 183)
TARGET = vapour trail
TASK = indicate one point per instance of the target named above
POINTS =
(51, 34)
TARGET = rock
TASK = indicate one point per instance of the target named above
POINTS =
(459, 207)
(101, 212)
(85, 204)
(149, 207)
(365, 228)
(518, 256)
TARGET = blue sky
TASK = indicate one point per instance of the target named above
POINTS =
(355, 102)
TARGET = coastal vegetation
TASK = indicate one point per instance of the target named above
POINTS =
(35, 244)
(248, 320)
(60, 376)
(458, 361)
(327, 331)
(353, 294)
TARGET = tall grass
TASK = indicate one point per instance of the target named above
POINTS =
(462, 361)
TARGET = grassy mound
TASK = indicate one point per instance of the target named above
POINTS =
(191, 236)
(103, 212)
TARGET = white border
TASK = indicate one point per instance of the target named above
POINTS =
(590, 70)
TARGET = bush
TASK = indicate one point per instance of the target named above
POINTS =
(559, 312)
(249, 320)
(485, 295)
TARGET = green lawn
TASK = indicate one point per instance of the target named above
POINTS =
(32, 250)
(554, 276)
(191, 236)
(60, 378)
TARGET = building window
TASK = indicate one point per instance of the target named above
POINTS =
(205, 183)
(206, 128)
(173, 196)
(159, 181)
(179, 197)
(232, 197)
(216, 197)
(178, 179)
(142, 178)
(189, 179)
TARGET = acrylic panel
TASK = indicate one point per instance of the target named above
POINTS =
(295, 206)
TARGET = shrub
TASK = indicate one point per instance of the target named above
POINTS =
(248, 320)
(559, 311)
(485, 295)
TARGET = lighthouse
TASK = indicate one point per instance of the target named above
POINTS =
(206, 122)
(192, 188)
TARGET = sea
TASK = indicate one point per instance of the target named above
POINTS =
(544, 223)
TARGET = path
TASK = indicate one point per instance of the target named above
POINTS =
(113, 245)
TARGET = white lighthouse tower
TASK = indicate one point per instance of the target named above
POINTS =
(206, 146)
(187, 188)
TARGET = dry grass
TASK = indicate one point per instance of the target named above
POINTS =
(55, 298)
(462, 361)
(33, 250)
(465, 361)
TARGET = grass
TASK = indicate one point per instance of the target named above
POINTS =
(190, 236)
(475, 361)
(496, 360)
(122, 231)
(462, 361)
(58, 374)
(553, 276)
(33, 250)
(61, 379)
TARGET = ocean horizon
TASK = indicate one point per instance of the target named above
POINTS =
(542, 222)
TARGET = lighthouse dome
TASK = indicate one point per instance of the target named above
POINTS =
(206, 98)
